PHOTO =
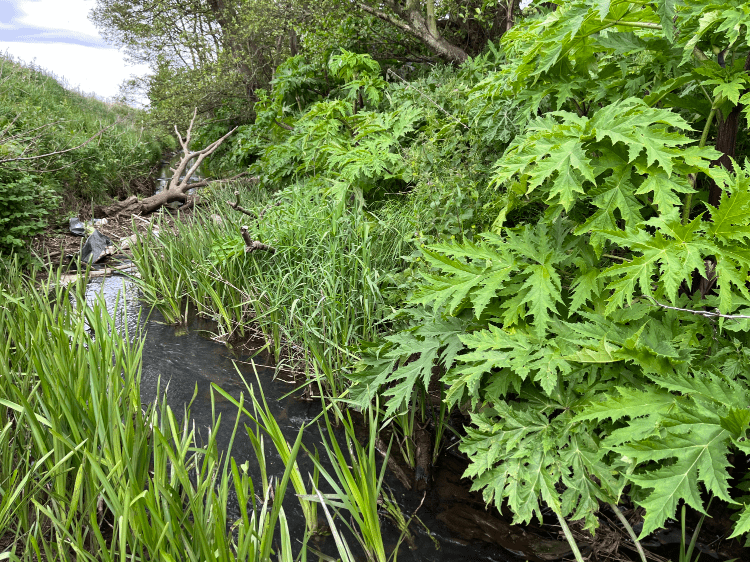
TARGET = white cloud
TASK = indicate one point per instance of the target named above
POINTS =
(61, 15)
(59, 35)
(91, 69)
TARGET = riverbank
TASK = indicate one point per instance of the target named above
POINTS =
(60, 150)
(209, 253)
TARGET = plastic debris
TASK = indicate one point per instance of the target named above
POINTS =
(77, 226)
(126, 243)
(80, 228)
(95, 248)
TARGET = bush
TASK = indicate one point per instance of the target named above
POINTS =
(24, 204)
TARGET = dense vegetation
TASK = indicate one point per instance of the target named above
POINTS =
(547, 242)
(59, 147)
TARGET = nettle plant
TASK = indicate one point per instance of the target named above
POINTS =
(598, 336)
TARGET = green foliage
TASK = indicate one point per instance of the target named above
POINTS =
(23, 209)
(323, 287)
(573, 332)
(45, 156)
(625, 149)
(86, 470)
(593, 324)
(365, 137)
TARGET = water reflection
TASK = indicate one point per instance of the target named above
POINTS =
(181, 364)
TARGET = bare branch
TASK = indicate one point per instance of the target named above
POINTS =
(236, 206)
(706, 313)
(204, 183)
(387, 18)
(253, 245)
(199, 155)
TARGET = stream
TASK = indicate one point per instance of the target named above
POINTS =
(181, 362)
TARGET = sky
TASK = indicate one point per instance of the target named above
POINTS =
(57, 35)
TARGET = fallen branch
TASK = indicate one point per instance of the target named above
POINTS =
(706, 313)
(199, 155)
(393, 466)
(252, 245)
(236, 206)
(180, 182)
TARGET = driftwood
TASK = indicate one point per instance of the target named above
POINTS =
(393, 466)
(252, 245)
(178, 185)
(236, 206)
(423, 471)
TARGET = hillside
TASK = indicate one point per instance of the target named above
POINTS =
(59, 147)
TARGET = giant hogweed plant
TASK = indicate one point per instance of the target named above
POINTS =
(690, 56)
(343, 137)
(590, 364)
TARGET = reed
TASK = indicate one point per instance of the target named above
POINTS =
(86, 471)
(267, 425)
(356, 483)
(321, 291)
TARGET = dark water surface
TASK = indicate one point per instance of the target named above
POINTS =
(183, 362)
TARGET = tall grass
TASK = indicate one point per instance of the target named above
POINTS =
(39, 115)
(86, 471)
(356, 484)
(320, 293)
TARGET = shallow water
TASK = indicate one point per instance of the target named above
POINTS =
(182, 363)
(165, 174)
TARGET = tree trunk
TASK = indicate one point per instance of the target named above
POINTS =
(411, 20)
(293, 42)
(726, 143)
(431, 21)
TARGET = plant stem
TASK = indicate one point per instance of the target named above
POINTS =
(630, 531)
(569, 537)
(687, 207)
(709, 121)
(638, 24)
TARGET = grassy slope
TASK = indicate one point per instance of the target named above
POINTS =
(39, 116)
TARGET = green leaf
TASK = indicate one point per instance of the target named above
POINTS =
(666, 11)
(628, 403)
(743, 523)
(477, 280)
(615, 202)
(696, 447)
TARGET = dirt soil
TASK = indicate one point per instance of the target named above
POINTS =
(57, 245)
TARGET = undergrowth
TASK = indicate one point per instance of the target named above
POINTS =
(88, 472)
(318, 296)
(585, 305)
(45, 159)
